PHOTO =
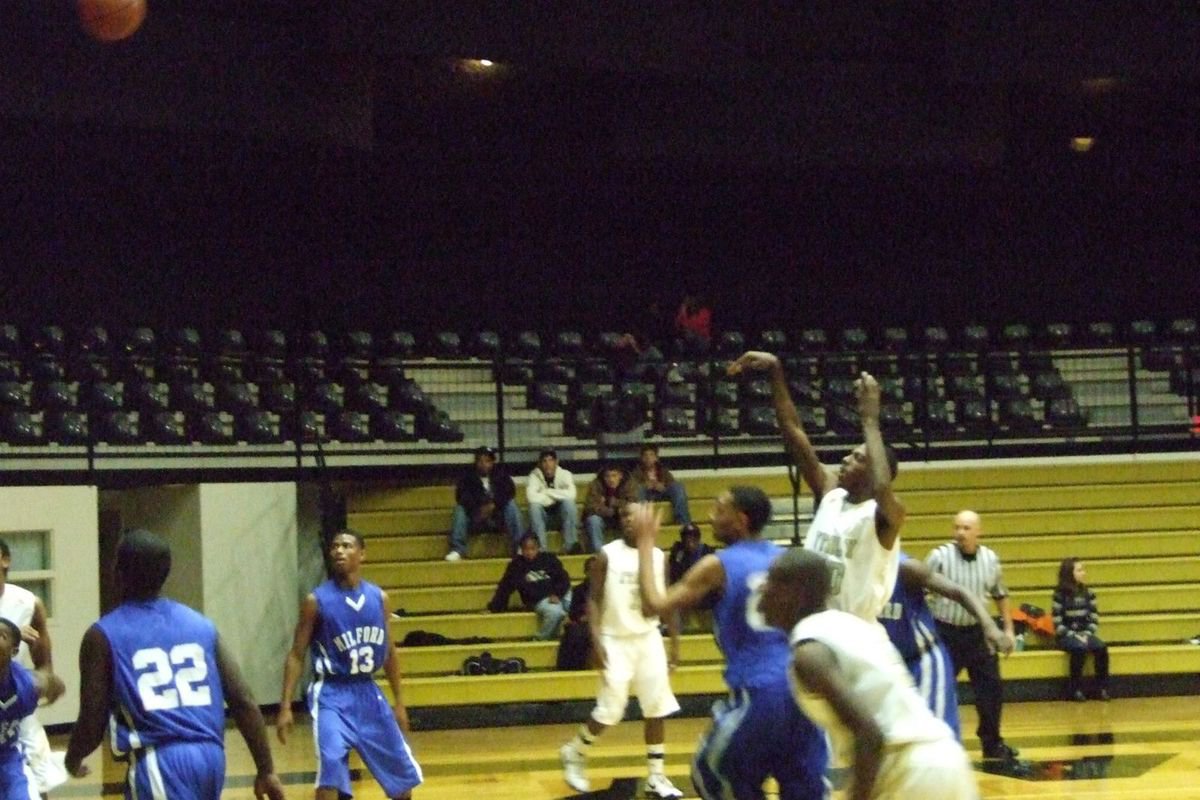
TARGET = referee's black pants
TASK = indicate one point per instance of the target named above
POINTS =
(969, 650)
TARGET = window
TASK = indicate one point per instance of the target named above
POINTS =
(32, 564)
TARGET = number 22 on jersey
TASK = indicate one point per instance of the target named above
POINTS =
(172, 679)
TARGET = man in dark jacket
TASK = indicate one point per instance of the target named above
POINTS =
(654, 482)
(542, 583)
(484, 498)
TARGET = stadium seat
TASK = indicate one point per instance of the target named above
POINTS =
(237, 397)
(1017, 414)
(367, 397)
(147, 396)
(10, 370)
(1064, 412)
(554, 370)
(397, 344)
(211, 427)
(881, 365)
(895, 339)
(102, 396)
(1015, 336)
(719, 420)
(731, 344)
(271, 344)
(595, 370)
(1000, 363)
(892, 420)
(21, 428)
(914, 364)
(814, 340)
(55, 395)
(842, 420)
(1057, 336)
(314, 344)
(839, 366)
(853, 340)
(436, 426)
(92, 342)
(1046, 386)
(305, 426)
(392, 426)
(67, 427)
(49, 340)
(359, 345)
(258, 427)
(307, 370)
(278, 397)
(964, 387)
(677, 394)
(840, 390)
(10, 341)
(723, 393)
(808, 417)
(547, 396)
(387, 371)
(976, 338)
(45, 368)
(225, 369)
(165, 427)
(1100, 334)
(528, 345)
(267, 369)
(118, 427)
(1143, 332)
(579, 420)
(973, 415)
(231, 343)
(1184, 331)
(15, 395)
(486, 345)
(937, 418)
(192, 397)
(407, 396)
(957, 364)
(1161, 358)
(444, 344)
(351, 371)
(755, 392)
(1006, 386)
(607, 342)
(891, 389)
(672, 421)
(351, 427)
(935, 338)
(568, 344)
(772, 340)
(139, 342)
(325, 398)
(759, 420)
(803, 392)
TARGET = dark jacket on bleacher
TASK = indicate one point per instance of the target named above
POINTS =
(533, 580)
(471, 495)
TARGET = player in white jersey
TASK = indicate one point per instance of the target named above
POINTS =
(630, 654)
(847, 677)
(857, 517)
(23, 607)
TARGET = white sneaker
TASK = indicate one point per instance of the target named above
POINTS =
(454, 555)
(573, 764)
(660, 786)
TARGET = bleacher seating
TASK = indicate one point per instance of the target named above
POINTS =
(977, 384)
(1133, 521)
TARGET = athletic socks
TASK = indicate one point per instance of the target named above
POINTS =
(583, 741)
(655, 756)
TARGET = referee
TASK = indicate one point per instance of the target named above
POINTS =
(977, 569)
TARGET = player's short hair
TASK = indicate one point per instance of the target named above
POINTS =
(806, 568)
(530, 535)
(548, 452)
(5, 552)
(651, 446)
(754, 503)
(14, 632)
(358, 537)
(143, 563)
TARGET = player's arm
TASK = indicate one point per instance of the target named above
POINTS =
(391, 667)
(820, 479)
(597, 577)
(890, 512)
(918, 574)
(1005, 610)
(95, 687)
(293, 665)
(817, 671)
(37, 635)
(674, 625)
(249, 720)
(706, 575)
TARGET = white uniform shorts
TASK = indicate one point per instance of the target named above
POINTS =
(928, 770)
(639, 662)
(47, 772)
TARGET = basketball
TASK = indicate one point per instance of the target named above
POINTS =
(111, 20)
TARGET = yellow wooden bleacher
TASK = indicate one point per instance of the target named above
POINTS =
(1135, 522)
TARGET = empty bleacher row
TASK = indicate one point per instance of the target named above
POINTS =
(179, 387)
(1133, 522)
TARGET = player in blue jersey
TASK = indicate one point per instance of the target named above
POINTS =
(910, 625)
(20, 690)
(344, 622)
(758, 731)
(160, 671)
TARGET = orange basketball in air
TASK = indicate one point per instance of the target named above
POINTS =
(111, 20)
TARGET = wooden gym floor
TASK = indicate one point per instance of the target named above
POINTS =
(1139, 749)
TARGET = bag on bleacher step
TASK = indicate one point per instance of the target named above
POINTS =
(486, 664)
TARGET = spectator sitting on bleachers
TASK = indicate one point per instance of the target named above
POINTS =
(655, 482)
(1075, 622)
(575, 648)
(686, 552)
(485, 499)
(693, 325)
(551, 489)
(609, 494)
(542, 583)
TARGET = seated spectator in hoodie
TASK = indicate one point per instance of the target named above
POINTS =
(551, 490)
(609, 494)
(542, 583)
(485, 499)
(654, 482)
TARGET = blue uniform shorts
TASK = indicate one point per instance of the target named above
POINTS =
(177, 771)
(756, 733)
(933, 672)
(354, 714)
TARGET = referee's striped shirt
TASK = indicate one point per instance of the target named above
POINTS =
(980, 575)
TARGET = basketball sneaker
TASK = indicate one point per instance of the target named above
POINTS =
(660, 786)
(573, 772)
